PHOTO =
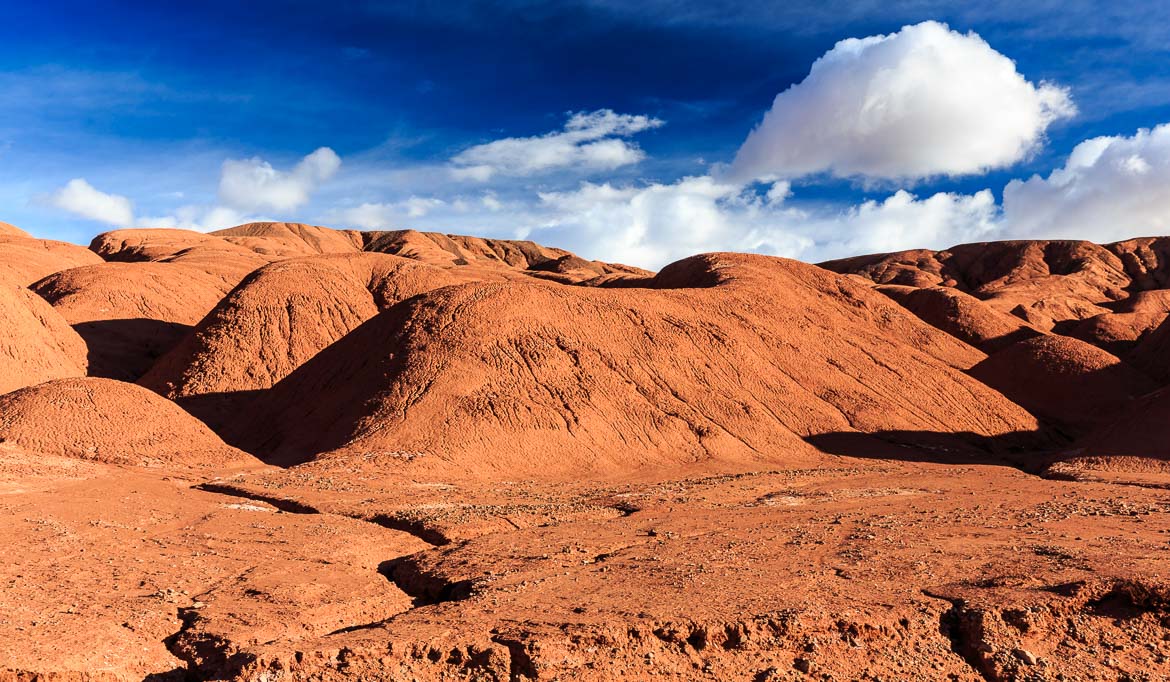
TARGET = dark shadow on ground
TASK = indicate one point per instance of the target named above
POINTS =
(219, 410)
(126, 349)
(1027, 450)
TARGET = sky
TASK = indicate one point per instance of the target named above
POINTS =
(630, 132)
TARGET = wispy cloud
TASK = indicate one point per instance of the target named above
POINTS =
(589, 141)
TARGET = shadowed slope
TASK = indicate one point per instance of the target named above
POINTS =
(131, 313)
(1109, 296)
(1146, 260)
(961, 315)
(1116, 333)
(1137, 441)
(1152, 353)
(284, 314)
(733, 357)
(1042, 282)
(1070, 382)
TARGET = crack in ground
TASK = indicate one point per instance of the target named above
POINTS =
(425, 587)
(415, 527)
(205, 657)
(950, 626)
(282, 503)
(520, 663)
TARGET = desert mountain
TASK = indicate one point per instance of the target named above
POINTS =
(130, 313)
(1045, 283)
(287, 240)
(1101, 308)
(961, 315)
(721, 356)
(1136, 442)
(12, 231)
(285, 313)
(537, 260)
(1152, 353)
(1066, 381)
(214, 255)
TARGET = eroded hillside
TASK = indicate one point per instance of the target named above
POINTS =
(283, 451)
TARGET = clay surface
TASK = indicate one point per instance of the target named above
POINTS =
(286, 452)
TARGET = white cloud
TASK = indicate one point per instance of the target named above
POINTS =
(381, 216)
(653, 225)
(903, 221)
(81, 198)
(1110, 188)
(590, 141)
(245, 187)
(253, 184)
(198, 218)
(925, 101)
(491, 202)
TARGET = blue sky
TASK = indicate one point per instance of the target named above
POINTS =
(150, 104)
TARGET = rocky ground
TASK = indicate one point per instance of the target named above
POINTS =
(859, 569)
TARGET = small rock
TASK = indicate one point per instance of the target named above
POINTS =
(1025, 656)
(803, 665)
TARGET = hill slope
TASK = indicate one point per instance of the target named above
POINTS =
(111, 422)
(36, 344)
(724, 356)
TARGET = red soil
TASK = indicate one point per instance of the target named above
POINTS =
(499, 460)
(12, 231)
(109, 421)
(725, 357)
(284, 314)
(36, 344)
(24, 260)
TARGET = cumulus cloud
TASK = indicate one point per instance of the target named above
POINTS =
(198, 218)
(590, 141)
(1110, 188)
(925, 101)
(655, 224)
(381, 216)
(903, 221)
(245, 187)
(253, 184)
(81, 198)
